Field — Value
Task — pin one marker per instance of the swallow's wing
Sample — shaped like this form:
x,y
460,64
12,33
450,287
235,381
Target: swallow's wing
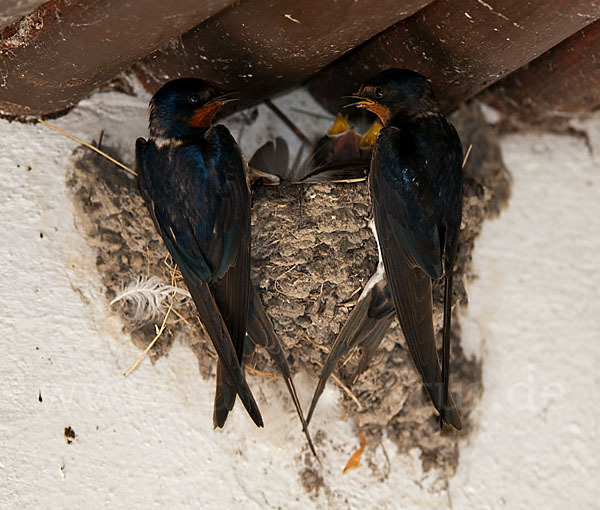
x,y
232,289
450,201
379,317
261,332
348,171
336,158
189,217
407,230
272,158
365,327
402,194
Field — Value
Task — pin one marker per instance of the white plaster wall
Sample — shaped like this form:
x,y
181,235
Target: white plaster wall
x,y
146,441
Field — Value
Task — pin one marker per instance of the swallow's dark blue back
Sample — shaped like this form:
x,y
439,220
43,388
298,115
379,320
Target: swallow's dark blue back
x,y
198,195
416,187
201,198
416,173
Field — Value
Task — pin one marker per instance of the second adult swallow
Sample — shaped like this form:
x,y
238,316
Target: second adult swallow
x,y
415,183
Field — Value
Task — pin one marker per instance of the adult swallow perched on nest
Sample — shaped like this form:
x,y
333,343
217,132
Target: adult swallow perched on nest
x,y
416,188
193,178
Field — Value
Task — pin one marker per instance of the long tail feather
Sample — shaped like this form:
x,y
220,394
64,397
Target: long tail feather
x,y
224,397
231,371
365,327
260,330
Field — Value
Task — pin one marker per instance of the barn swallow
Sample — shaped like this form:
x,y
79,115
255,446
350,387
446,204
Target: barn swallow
x,y
193,179
415,181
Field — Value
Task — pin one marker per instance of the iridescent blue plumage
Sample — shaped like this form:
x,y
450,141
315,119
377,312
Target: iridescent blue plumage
x,y
416,189
193,178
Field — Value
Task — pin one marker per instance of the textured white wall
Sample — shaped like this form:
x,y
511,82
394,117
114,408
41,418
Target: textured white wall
x,y
147,441
534,319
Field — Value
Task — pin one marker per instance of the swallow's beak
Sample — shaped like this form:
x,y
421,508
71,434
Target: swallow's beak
x,y
225,97
362,103
379,109
202,116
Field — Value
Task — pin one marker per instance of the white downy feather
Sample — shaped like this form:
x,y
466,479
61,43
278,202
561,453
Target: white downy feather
x,y
151,297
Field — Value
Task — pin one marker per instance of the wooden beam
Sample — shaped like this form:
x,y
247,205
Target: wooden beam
x,y
463,46
563,82
12,10
52,58
260,47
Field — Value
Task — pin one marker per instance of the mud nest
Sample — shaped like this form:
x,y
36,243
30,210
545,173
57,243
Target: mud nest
x,y
312,253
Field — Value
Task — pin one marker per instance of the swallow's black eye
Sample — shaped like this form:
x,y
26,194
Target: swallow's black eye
x,y
194,98
379,92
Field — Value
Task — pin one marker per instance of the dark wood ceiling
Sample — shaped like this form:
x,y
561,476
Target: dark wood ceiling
x,y
536,58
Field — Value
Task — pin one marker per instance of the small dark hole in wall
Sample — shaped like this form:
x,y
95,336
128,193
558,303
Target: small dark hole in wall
x,y
70,435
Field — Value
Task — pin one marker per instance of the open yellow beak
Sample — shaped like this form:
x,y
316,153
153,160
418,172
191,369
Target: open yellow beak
x,y
340,125
370,137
